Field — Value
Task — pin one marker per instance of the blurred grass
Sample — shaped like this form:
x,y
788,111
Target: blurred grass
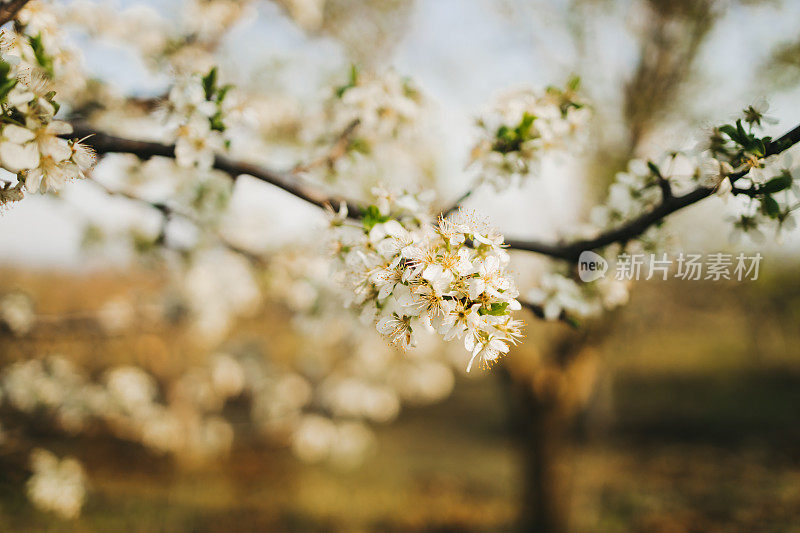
x,y
697,431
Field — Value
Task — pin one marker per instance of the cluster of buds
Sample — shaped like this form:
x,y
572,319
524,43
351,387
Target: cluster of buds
x,y
522,127
406,272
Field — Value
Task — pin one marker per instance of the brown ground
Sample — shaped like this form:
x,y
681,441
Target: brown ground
x,y
698,430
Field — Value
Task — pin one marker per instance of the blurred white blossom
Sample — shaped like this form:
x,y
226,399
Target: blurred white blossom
x,y
57,485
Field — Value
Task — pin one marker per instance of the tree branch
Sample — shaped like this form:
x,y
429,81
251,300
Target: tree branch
x,y
570,251
567,251
629,230
104,143
10,9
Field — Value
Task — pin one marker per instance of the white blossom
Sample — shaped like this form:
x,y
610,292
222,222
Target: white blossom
x,y
521,128
411,273
56,485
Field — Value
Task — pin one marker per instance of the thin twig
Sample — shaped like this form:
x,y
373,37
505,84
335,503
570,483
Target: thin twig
x,y
168,211
455,206
339,148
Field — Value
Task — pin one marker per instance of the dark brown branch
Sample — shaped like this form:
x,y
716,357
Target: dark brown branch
x,y
104,143
9,10
752,193
569,251
621,234
663,184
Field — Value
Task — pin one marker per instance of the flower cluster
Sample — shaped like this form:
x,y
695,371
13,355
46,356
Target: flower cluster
x,y
384,104
450,276
39,39
372,129
31,143
197,111
57,485
739,162
558,294
522,127
733,161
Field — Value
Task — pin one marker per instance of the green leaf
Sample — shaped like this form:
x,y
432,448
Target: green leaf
x,y
352,82
353,74
574,82
729,130
216,122
760,149
44,60
360,145
740,131
496,309
524,128
770,207
5,88
5,68
776,184
210,83
509,140
223,92
372,216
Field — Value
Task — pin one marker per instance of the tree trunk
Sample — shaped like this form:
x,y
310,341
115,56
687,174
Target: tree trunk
x,y
545,494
